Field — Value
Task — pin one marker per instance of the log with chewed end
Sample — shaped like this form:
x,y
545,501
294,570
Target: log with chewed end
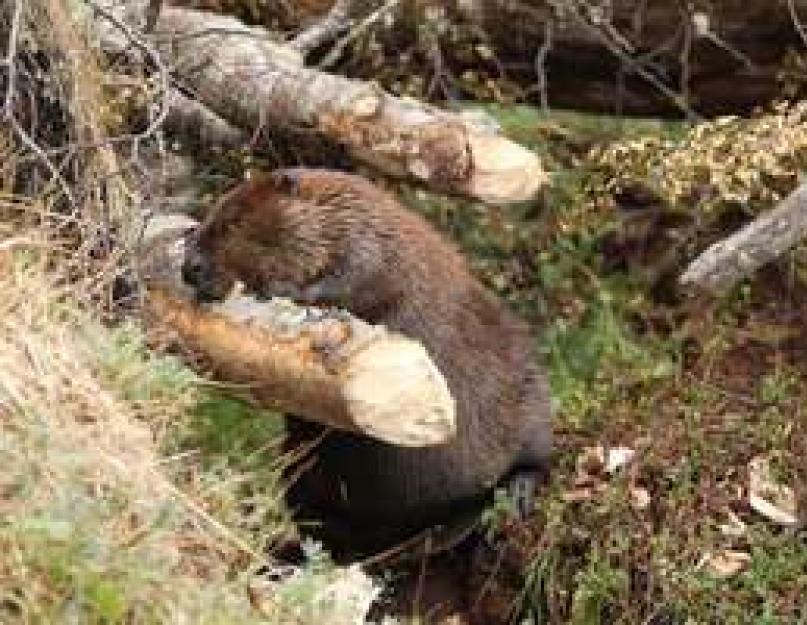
x,y
327,367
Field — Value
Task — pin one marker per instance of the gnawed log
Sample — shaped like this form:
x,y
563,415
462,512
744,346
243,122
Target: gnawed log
x,y
327,367
244,78
766,238
323,365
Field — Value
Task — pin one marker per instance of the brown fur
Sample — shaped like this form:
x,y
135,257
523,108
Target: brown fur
x,y
333,238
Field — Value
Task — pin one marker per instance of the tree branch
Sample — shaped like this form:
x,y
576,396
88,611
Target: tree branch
x,y
766,238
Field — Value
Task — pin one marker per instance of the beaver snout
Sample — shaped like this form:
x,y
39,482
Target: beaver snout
x,y
197,272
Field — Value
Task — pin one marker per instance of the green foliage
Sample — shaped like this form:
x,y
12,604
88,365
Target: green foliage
x,y
597,587
133,370
590,361
556,133
92,531
228,429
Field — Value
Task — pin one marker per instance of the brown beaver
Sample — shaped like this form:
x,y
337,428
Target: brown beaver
x,y
331,238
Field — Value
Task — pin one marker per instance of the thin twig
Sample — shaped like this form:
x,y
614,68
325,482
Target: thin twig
x,y
540,65
641,71
335,22
8,106
337,51
794,16
156,59
11,59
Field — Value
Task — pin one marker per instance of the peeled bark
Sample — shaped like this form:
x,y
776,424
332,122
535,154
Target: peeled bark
x,y
333,369
323,365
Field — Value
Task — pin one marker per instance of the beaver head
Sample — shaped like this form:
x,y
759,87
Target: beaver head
x,y
267,232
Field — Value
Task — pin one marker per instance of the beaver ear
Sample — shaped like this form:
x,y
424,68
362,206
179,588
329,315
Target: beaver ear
x,y
286,181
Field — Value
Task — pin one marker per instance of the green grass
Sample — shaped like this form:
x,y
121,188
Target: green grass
x,y
698,391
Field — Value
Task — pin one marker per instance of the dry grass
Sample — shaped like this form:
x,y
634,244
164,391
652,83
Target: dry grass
x,y
92,526
98,524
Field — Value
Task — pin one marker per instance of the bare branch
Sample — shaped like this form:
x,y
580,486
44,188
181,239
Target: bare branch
x,y
156,60
338,50
540,65
327,29
797,23
8,106
11,59
766,238
613,41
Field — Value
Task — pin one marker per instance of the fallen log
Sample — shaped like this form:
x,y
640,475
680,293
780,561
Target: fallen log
x,y
763,240
244,78
649,57
642,57
323,365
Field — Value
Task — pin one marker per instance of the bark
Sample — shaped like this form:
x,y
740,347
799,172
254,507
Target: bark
x,y
766,238
200,128
328,367
240,77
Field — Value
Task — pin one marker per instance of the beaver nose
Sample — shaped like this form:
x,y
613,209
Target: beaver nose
x,y
194,271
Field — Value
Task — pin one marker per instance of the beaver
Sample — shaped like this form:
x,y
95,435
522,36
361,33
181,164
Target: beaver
x,y
330,238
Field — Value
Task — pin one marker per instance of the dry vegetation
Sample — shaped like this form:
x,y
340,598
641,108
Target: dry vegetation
x,y
92,523
132,491
126,496
730,161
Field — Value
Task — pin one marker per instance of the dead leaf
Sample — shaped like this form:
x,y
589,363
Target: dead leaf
x,y
617,458
727,563
770,498
639,497
593,462
585,493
